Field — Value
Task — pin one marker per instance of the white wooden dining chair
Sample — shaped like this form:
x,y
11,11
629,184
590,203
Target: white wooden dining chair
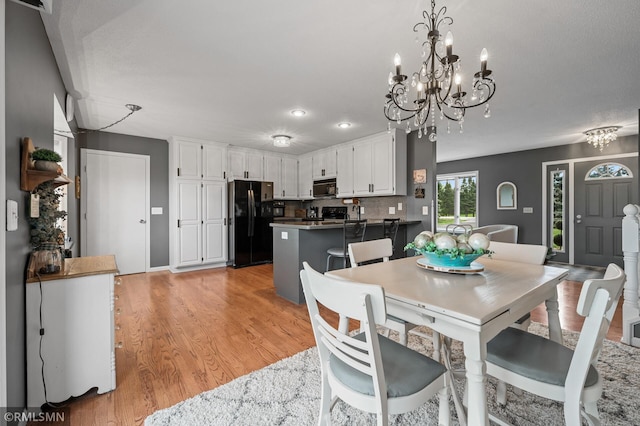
x,y
381,249
523,253
367,371
551,370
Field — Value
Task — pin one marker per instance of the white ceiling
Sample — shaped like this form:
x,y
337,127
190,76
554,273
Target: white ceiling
x,y
231,71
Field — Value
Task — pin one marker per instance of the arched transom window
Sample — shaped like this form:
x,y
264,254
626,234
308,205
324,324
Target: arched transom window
x,y
609,171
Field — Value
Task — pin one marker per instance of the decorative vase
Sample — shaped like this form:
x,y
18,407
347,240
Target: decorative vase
x,y
46,166
48,259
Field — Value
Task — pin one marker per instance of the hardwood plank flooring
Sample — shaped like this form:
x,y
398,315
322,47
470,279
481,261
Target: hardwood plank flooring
x,y
186,333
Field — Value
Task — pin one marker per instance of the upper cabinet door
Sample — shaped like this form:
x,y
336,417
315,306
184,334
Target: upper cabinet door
x,y
324,164
236,163
272,166
289,178
254,166
188,160
382,165
214,162
362,154
305,177
344,178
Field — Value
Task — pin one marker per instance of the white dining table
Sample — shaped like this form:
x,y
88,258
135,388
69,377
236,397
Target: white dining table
x,y
472,308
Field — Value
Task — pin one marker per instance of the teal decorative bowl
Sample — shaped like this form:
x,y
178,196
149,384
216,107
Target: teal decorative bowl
x,y
447,261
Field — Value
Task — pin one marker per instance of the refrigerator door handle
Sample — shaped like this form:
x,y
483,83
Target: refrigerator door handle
x,y
252,212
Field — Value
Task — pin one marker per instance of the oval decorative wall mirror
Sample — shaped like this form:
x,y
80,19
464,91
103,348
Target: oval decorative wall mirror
x,y
507,196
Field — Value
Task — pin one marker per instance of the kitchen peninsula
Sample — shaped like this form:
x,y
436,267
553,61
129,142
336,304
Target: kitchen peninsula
x,y
297,242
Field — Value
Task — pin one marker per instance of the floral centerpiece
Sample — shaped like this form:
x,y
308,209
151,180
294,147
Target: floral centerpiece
x,y
444,249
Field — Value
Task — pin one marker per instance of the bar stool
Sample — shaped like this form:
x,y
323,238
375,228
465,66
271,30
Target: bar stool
x,y
352,232
390,229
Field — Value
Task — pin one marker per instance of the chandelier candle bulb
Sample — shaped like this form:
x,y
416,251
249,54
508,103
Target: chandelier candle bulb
x,y
448,41
398,63
484,55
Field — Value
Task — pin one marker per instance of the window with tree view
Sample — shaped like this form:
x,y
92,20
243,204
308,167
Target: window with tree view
x,y
457,200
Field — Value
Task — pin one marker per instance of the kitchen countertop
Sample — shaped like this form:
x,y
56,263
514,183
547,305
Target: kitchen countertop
x,y
329,224
76,267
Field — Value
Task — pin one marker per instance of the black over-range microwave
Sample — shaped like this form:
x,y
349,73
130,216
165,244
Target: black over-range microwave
x,y
324,188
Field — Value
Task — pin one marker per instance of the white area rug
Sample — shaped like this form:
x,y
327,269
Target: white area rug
x,y
287,393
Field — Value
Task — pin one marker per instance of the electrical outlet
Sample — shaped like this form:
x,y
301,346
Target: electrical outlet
x,y
361,210
399,207
392,210
284,235
425,210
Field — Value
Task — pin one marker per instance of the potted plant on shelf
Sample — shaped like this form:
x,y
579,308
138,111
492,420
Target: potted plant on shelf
x,y
47,238
46,160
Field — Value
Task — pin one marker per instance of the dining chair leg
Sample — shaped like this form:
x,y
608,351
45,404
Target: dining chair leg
x,y
328,262
444,415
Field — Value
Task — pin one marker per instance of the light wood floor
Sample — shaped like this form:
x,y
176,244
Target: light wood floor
x,y
183,334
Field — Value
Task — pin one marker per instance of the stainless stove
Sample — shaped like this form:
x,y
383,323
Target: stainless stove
x,y
334,213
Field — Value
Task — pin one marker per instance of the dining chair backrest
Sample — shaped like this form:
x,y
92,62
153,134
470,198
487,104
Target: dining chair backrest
x,y
390,229
523,253
370,250
353,232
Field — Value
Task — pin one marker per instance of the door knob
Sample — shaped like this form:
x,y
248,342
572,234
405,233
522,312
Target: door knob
x,y
578,218
143,221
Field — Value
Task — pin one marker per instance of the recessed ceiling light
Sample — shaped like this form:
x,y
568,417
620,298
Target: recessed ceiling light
x,y
298,112
344,125
281,141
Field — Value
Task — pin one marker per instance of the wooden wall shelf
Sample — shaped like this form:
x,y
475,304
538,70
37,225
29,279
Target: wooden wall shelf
x,y
30,178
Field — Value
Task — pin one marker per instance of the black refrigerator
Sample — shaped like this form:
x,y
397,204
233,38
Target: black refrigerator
x,y
250,213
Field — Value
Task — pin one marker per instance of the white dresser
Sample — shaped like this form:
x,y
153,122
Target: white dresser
x,y
77,347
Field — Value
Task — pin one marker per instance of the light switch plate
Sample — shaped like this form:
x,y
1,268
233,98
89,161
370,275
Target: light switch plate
x,y
12,215
392,210
527,210
361,210
156,210
425,210
399,207
284,235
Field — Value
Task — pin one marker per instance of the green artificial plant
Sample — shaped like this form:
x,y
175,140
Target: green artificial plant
x,y
42,154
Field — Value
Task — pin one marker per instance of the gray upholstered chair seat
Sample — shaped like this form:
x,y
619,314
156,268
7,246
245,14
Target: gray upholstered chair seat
x,y
406,371
336,251
534,357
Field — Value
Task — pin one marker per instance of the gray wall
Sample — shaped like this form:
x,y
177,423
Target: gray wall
x,y
158,150
524,168
421,154
32,79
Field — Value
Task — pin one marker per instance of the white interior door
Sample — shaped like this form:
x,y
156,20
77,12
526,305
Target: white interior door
x,y
115,208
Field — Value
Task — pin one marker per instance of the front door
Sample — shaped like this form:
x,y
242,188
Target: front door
x,y
115,199
602,189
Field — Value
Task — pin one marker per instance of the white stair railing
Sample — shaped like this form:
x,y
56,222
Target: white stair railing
x,y
631,250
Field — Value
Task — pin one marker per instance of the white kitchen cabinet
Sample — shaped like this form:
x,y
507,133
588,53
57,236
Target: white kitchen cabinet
x,y
380,165
196,160
289,177
345,170
198,208
201,234
283,172
74,309
305,177
245,164
324,163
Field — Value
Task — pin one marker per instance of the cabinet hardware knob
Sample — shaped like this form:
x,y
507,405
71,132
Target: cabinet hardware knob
x,y
119,345
117,327
118,281
118,311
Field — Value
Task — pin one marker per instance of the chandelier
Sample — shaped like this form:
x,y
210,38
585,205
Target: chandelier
x,y
601,136
437,84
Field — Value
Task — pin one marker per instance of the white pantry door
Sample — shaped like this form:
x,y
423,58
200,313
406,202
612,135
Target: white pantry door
x,y
115,208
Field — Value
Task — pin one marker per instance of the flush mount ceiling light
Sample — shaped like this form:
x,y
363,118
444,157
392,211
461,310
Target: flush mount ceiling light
x,y
281,141
438,82
344,125
601,136
298,113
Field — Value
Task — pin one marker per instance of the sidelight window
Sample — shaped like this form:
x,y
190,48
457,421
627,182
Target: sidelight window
x,y
558,206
